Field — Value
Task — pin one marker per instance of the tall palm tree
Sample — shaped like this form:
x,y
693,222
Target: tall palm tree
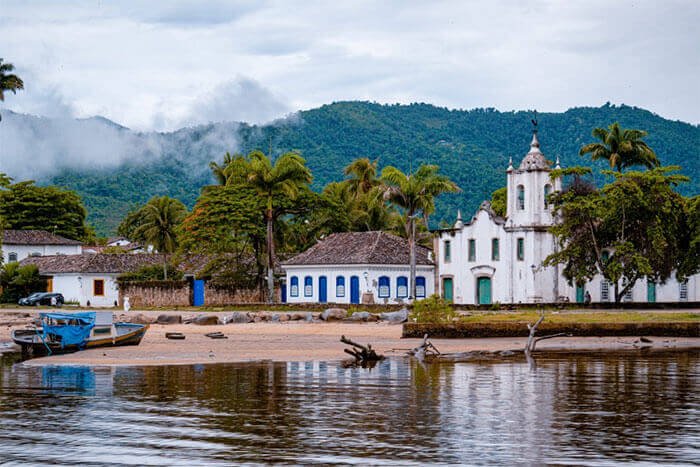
x,y
415,194
161,217
286,177
622,148
363,176
8,81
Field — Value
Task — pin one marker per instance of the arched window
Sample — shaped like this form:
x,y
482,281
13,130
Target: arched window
x,y
384,287
401,287
420,287
521,197
308,287
340,286
547,191
294,287
12,257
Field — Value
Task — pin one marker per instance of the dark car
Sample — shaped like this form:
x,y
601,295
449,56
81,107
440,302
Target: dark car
x,y
43,298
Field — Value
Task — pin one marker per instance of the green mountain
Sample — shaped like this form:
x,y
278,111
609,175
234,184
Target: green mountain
x,y
472,147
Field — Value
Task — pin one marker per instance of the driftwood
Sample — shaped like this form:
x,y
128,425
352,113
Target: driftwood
x,y
361,353
425,349
532,340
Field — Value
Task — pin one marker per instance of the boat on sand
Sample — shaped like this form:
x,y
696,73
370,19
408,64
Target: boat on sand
x,y
70,332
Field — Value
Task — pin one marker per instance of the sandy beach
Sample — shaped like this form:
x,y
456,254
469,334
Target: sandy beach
x,y
293,341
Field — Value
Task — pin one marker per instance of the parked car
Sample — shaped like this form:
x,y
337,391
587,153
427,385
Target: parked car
x,y
43,298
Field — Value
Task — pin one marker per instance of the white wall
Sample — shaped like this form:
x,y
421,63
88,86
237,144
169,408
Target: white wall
x,y
23,251
370,284
79,287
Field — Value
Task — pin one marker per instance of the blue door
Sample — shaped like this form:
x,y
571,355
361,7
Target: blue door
x,y
354,289
198,292
283,290
322,289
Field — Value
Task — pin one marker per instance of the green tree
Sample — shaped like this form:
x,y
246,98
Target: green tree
x,y
25,206
19,281
690,263
160,220
631,228
8,81
622,148
499,201
415,194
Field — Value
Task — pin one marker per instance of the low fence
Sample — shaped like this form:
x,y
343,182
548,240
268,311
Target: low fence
x,y
180,293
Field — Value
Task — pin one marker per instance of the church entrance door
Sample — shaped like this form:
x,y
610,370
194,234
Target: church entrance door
x,y
484,290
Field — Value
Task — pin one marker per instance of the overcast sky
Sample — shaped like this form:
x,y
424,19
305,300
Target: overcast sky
x,y
162,65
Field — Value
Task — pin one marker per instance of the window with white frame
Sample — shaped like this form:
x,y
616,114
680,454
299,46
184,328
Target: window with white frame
x,y
420,287
604,291
308,287
401,287
683,291
294,287
521,197
384,288
340,286
447,251
12,257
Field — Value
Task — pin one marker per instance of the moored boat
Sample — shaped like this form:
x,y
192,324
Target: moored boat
x,y
70,332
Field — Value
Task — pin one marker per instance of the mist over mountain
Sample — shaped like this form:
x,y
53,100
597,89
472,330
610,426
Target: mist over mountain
x,y
114,168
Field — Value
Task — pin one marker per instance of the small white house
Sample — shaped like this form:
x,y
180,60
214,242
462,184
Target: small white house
x,y
89,278
358,267
20,244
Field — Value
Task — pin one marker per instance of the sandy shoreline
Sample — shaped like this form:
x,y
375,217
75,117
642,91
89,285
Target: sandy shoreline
x,y
295,341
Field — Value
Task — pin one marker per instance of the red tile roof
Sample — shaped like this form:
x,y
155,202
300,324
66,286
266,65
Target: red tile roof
x,y
360,248
35,237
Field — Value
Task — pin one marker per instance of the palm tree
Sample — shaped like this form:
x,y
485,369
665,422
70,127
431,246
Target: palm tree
x,y
363,178
286,177
8,81
415,194
622,148
161,217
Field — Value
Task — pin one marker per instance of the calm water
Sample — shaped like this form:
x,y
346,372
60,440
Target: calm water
x,y
641,408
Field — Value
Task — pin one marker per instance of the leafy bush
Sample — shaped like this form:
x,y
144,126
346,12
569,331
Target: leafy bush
x,y
19,281
433,310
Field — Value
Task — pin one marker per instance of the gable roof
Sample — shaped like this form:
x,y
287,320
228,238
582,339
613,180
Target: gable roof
x,y
92,263
360,248
35,237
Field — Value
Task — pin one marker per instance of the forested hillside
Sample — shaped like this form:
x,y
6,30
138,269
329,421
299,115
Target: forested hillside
x,y
472,147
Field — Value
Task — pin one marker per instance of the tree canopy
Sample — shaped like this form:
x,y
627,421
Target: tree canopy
x,y
622,148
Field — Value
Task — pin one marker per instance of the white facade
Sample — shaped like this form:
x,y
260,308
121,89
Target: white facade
x,y
496,260
84,287
19,252
369,279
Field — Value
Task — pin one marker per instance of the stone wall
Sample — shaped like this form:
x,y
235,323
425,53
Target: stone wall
x,y
155,294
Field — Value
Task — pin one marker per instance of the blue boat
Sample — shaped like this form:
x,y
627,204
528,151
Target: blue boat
x,y
70,332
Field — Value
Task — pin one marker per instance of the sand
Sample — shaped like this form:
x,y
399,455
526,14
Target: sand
x,y
294,341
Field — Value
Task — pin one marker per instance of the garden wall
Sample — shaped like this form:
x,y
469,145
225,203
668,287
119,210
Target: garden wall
x,y
179,293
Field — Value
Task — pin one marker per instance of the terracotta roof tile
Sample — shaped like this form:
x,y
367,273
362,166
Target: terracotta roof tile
x,y
360,248
92,263
35,237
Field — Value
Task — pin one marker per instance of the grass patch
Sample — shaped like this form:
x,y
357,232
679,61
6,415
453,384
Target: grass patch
x,y
581,317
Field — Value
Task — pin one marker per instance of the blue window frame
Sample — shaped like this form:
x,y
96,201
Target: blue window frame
x,y
420,287
294,287
401,287
340,286
384,287
308,287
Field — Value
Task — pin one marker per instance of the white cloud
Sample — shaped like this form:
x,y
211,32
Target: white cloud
x,y
159,65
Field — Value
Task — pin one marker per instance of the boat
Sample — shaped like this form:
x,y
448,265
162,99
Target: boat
x,y
70,332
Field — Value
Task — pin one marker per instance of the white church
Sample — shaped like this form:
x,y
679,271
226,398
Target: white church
x,y
492,259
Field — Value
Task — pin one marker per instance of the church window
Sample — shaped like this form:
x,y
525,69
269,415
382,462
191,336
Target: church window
x,y
448,251
494,249
521,197
521,249
547,192
472,249
683,291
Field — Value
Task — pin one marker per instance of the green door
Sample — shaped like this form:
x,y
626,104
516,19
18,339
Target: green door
x,y
580,294
484,290
651,292
447,289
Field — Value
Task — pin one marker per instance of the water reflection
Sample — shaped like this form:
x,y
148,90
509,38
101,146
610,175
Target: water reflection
x,y
593,409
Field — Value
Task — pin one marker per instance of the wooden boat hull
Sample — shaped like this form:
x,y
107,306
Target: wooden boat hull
x,y
32,345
